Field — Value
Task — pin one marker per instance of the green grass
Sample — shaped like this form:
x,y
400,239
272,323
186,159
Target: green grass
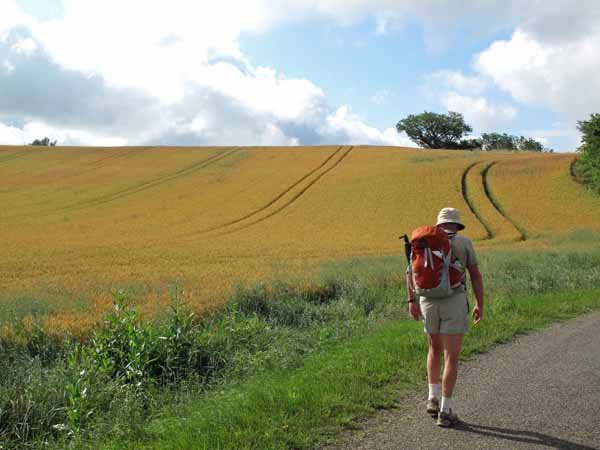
x,y
304,408
282,366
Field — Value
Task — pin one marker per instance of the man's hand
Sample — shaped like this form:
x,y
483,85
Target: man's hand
x,y
477,314
477,283
414,310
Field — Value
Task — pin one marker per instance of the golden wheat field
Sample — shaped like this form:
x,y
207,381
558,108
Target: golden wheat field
x,y
77,223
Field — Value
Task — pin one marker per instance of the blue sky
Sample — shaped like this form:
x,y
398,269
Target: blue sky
x,y
274,72
381,76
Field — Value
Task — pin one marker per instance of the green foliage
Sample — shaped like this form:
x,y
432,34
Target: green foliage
x,y
68,387
588,162
530,145
32,402
497,141
432,130
45,142
503,141
128,364
469,144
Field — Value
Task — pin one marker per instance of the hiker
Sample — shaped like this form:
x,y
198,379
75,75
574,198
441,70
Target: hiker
x,y
446,317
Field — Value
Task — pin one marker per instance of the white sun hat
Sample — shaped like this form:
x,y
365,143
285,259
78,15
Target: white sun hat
x,y
450,215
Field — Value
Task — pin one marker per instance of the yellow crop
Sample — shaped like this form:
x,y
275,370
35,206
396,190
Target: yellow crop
x,y
539,194
477,191
78,222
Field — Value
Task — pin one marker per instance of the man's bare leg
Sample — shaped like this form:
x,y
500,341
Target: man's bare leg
x,y
434,357
452,346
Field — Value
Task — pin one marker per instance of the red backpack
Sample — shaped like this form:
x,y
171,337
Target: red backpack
x,y
432,270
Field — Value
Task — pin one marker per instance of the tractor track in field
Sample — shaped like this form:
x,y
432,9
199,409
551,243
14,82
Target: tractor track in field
x,y
272,201
496,204
19,155
9,156
101,162
140,187
295,197
469,202
117,155
94,165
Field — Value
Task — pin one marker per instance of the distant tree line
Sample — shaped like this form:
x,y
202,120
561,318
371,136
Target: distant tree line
x,y
46,142
449,131
497,141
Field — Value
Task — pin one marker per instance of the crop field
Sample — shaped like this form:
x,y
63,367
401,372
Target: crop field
x,y
77,223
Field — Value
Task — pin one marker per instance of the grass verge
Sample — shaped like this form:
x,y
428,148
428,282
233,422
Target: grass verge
x,y
304,408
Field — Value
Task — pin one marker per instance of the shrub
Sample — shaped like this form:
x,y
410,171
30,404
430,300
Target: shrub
x,y
588,163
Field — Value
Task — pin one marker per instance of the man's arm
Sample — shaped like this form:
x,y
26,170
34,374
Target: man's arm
x,y
413,305
477,283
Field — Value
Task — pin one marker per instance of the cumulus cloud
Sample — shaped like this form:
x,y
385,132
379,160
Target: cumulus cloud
x,y
11,16
455,80
14,135
346,127
562,21
228,102
465,94
157,46
10,135
479,112
562,76
549,61
37,89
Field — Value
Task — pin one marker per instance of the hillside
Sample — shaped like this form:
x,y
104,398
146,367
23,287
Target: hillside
x,y
78,222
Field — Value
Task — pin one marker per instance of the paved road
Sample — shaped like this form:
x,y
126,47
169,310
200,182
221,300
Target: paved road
x,y
542,391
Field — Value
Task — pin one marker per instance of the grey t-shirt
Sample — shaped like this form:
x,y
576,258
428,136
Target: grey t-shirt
x,y
462,248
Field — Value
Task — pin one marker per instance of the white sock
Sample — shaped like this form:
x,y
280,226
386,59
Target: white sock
x,y
434,391
446,405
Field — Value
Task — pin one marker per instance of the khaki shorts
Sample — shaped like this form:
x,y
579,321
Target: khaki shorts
x,y
446,315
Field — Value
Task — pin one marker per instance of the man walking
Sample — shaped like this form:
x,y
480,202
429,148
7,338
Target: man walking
x,y
447,320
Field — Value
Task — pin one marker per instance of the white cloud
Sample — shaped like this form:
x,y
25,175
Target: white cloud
x,y
479,112
170,52
173,76
262,89
11,17
562,76
10,135
467,84
125,41
390,136
549,61
344,123
226,104
564,137
562,21
24,46
462,93
66,136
